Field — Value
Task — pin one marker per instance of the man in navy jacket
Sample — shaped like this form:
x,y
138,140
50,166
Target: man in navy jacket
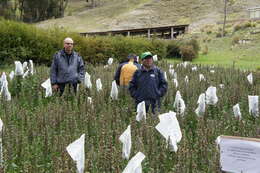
x,y
148,84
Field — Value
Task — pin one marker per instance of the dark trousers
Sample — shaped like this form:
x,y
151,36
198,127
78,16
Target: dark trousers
x,y
154,104
71,86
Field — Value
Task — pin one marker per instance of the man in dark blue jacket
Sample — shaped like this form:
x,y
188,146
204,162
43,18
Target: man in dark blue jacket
x,y
148,84
67,68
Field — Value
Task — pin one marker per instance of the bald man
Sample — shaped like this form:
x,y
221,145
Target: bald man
x,y
67,68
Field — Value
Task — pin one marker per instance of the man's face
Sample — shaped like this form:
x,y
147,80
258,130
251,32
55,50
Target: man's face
x,y
68,45
148,62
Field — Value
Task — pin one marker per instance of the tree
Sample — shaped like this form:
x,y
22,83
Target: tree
x,y
226,3
32,10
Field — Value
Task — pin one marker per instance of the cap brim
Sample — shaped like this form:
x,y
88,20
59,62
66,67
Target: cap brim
x,y
148,56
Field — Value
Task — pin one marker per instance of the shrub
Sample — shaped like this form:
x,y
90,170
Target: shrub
x,y
206,39
173,49
23,42
187,53
235,40
244,25
218,34
205,50
195,44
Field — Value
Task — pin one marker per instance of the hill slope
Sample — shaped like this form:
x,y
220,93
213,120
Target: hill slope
x,y
126,14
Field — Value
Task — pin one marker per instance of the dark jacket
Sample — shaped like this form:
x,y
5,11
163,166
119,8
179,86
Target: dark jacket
x,y
118,71
148,85
67,69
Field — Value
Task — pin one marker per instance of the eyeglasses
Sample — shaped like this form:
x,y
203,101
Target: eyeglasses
x,y
69,43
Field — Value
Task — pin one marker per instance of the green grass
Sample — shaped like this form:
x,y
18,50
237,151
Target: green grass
x,y
220,53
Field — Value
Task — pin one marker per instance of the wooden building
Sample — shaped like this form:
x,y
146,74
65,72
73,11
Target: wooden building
x,y
254,13
165,32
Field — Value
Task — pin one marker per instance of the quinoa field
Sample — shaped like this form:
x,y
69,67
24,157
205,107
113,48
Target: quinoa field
x,y
37,129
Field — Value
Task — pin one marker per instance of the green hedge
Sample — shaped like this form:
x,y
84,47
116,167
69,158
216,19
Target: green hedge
x,y
23,42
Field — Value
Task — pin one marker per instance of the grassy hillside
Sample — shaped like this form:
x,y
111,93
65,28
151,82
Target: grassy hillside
x,y
224,52
123,14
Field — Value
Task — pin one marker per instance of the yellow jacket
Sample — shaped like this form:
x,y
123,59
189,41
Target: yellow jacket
x,y
127,72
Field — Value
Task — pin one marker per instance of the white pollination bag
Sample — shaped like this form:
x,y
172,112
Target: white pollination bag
x,y
18,68
11,75
194,68
110,61
175,75
98,84
170,129
77,152
125,138
165,76
5,92
1,145
201,77
141,111
4,88
2,79
114,91
48,89
87,81
253,105
137,58
250,78
155,58
211,96
171,71
236,110
186,79
134,165
185,64
31,67
221,86
89,100
175,83
179,104
25,65
200,111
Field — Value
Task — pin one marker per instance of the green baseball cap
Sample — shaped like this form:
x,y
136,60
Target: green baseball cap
x,y
146,54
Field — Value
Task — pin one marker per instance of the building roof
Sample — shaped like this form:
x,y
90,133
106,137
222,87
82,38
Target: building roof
x,y
161,28
254,8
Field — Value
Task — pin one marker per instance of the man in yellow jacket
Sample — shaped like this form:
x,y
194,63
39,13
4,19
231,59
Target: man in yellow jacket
x,y
125,71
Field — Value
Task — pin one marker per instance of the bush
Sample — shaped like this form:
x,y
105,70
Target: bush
x,y
173,49
218,34
244,25
23,42
206,40
205,50
235,40
187,53
195,44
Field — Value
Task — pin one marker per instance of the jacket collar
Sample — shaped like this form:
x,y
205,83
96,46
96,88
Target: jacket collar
x,y
63,53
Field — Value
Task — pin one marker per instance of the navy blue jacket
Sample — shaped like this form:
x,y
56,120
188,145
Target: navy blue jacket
x,y
148,85
65,69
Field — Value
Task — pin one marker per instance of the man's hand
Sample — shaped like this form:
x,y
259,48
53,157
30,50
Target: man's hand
x,y
55,87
